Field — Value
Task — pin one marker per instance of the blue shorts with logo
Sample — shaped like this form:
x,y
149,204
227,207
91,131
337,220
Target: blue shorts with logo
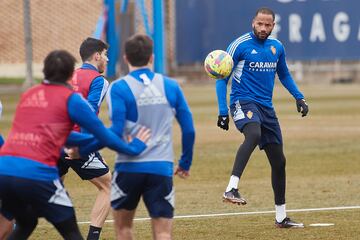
x,y
87,168
244,112
48,199
157,192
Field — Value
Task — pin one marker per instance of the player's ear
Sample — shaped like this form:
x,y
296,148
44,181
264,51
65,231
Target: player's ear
x,y
151,62
151,59
96,56
125,59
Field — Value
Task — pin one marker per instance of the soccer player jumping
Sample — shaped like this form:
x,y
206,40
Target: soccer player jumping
x,y
257,58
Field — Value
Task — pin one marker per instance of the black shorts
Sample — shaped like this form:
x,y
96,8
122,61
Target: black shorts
x,y
87,169
157,192
21,197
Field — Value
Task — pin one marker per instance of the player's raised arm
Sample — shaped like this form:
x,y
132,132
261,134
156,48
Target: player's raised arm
x,y
86,118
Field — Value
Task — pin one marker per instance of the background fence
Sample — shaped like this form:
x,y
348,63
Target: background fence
x,y
321,36
55,24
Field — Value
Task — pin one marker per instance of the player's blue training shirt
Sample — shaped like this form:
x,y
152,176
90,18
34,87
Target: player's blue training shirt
x,y
80,113
255,64
122,108
97,89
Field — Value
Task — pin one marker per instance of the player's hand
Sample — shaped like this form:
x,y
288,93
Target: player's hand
x,y
72,153
302,107
181,173
223,122
143,134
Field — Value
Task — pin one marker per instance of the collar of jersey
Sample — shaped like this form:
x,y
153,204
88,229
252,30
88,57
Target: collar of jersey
x,y
136,73
88,66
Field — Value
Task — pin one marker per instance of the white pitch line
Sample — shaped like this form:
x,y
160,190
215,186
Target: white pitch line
x,y
321,224
245,213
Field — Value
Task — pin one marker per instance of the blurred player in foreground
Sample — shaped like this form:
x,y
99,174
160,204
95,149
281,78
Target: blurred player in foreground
x,y
88,81
257,58
6,222
30,186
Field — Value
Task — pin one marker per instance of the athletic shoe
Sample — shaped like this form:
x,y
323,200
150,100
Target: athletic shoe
x,y
288,223
233,196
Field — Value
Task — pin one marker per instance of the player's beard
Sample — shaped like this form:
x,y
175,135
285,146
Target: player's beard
x,y
101,68
261,35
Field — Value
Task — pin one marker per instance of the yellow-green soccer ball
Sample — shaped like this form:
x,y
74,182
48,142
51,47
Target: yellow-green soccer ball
x,y
218,64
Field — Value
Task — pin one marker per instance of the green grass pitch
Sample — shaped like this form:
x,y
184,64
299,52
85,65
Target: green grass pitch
x,y
323,170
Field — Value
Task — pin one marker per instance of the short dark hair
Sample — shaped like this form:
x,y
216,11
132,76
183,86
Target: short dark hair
x,y
265,10
90,46
138,50
59,66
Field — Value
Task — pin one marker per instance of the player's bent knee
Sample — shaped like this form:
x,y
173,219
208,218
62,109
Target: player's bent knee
x,y
103,183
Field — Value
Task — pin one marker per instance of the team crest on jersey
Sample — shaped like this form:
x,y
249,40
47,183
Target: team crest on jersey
x,y
273,50
249,114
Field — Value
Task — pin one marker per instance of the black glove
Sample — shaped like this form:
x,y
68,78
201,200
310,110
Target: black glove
x,y
302,107
223,122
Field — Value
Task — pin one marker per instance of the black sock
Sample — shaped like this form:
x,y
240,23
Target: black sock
x,y
94,233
